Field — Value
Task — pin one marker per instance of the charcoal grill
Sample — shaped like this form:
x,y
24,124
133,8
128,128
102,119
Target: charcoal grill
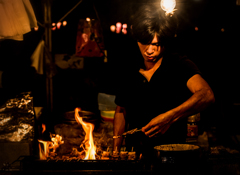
x,y
33,165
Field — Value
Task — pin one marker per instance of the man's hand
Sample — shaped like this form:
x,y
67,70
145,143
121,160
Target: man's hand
x,y
202,97
159,124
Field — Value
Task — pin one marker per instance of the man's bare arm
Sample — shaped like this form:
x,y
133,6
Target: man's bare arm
x,y
202,97
118,126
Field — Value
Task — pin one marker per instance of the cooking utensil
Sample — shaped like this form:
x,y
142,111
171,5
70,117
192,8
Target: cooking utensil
x,y
173,153
128,132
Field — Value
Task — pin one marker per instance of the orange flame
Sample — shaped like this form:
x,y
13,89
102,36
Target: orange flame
x,y
43,153
49,148
88,128
56,142
43,127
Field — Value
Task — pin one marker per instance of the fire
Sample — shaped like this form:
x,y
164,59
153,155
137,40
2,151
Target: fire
x,y
43,127
49,147
90,148
43,153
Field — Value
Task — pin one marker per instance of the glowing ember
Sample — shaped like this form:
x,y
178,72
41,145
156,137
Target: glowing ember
x,y
90,148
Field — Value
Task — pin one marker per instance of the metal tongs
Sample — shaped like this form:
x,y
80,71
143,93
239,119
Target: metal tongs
x,y
128,132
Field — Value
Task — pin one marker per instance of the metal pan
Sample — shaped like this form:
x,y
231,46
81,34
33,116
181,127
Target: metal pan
x,y
178,152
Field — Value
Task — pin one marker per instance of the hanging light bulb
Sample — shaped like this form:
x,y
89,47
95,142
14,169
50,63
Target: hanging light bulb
x,y
168,6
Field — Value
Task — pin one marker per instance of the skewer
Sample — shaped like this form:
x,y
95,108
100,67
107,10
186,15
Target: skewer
x,y
124,153
128,132
105,154
132,155
115,153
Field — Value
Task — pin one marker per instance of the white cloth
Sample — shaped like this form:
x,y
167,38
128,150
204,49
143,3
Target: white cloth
x,y
37,57
16,18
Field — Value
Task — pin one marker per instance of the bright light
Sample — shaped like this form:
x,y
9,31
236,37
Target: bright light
x,y
124,31
113,28
64,23
53,24
88,19
59,25
36,28
168,6
118,27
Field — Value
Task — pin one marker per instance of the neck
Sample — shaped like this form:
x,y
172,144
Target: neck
x,y
150,65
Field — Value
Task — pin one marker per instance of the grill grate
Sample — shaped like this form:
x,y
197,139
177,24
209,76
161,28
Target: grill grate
x,y
31,164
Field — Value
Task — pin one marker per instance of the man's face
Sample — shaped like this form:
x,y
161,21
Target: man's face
x,y
151,52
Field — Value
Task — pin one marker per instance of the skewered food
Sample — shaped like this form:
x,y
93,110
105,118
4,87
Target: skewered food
x,y
131,155
105,155
123,154
128,132
115,153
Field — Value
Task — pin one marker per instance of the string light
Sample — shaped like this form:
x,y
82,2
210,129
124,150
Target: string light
x,y
118,27
64,23
113,28
124,29
59,25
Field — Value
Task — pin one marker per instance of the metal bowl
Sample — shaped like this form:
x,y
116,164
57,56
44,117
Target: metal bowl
x,y
178,152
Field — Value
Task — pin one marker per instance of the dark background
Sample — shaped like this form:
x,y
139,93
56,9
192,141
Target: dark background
x,y
214,51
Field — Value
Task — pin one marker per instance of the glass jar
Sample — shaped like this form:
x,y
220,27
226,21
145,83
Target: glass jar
x,y
192,127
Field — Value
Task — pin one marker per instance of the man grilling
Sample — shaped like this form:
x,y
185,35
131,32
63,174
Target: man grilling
x,y
166,88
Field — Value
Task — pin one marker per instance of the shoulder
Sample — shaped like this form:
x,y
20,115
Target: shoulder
x,y
183,62
183,66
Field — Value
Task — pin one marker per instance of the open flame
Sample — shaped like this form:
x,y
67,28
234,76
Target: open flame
x,y
43,128
48,149
90,148
43,152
